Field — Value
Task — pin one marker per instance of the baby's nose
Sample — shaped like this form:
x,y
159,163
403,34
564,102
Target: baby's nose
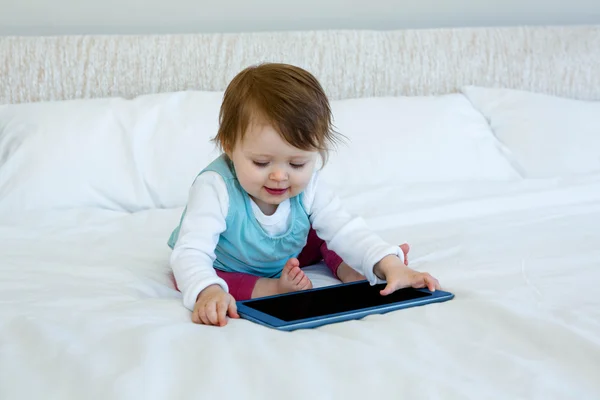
x,y
278,175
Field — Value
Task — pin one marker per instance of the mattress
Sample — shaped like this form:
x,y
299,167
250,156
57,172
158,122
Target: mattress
x,y
88,307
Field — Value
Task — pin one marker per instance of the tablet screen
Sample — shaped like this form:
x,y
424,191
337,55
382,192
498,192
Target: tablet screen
x,y
336,299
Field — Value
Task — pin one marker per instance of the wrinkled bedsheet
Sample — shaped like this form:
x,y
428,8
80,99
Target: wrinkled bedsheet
x,y
88,309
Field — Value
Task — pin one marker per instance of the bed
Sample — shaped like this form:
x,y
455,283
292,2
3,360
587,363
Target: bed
x,y
479,147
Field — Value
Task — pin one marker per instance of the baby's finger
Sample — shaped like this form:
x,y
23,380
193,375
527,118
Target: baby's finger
x,y
232,309
195,316
202,315
431,282
222,312
390,288
211,313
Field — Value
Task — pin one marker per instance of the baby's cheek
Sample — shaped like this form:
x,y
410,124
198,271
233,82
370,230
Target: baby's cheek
x,y
295,190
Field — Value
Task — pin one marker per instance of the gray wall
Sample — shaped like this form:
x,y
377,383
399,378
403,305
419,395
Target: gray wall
x,y
40,17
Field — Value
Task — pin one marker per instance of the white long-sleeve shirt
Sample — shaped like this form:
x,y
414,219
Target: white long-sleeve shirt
x,y
194,252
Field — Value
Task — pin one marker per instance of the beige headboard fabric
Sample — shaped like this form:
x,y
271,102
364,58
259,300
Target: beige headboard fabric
x,y
557,60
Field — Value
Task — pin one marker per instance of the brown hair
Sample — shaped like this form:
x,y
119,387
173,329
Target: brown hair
x,y
287,97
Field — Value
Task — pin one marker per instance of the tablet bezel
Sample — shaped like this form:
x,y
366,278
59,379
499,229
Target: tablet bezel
x,y
270,321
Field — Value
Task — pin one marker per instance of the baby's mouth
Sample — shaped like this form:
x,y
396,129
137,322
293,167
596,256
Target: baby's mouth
x,y
275,192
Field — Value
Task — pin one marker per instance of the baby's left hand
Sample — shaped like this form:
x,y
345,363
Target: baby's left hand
x,y
399,276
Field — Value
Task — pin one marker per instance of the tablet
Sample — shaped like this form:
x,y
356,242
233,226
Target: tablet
x,y
315,307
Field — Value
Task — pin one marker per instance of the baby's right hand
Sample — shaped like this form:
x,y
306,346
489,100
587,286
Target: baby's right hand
x,y
213,305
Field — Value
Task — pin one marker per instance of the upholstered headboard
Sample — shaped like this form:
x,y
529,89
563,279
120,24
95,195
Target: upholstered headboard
x,y
557,60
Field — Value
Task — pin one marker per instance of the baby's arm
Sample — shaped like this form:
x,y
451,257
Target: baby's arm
x,y
194,252
357,245
345,234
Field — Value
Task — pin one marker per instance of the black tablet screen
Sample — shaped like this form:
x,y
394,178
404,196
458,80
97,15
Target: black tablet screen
x,y
336,299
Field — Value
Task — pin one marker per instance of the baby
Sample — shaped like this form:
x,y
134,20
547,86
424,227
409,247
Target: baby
x,y
259,212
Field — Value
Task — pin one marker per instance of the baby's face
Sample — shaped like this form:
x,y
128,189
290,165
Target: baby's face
x,y
270,169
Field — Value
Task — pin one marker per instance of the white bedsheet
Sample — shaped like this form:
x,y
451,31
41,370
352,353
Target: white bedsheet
x,y
88,310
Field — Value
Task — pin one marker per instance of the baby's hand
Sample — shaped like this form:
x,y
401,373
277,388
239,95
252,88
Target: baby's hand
x,y
399,276
213,305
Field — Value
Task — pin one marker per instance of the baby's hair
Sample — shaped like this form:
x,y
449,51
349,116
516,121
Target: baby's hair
x,y
287,97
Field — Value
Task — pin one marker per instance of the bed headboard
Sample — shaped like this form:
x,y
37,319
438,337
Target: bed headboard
x,y
557,60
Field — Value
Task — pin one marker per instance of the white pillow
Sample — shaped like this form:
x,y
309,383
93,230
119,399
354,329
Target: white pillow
x,y
130,155
105,153
548,136
414,139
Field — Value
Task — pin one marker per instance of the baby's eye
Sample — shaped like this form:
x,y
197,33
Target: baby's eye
x,y
297,166
260,164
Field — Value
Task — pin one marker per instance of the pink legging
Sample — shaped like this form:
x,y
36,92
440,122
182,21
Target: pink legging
x,y
241,285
